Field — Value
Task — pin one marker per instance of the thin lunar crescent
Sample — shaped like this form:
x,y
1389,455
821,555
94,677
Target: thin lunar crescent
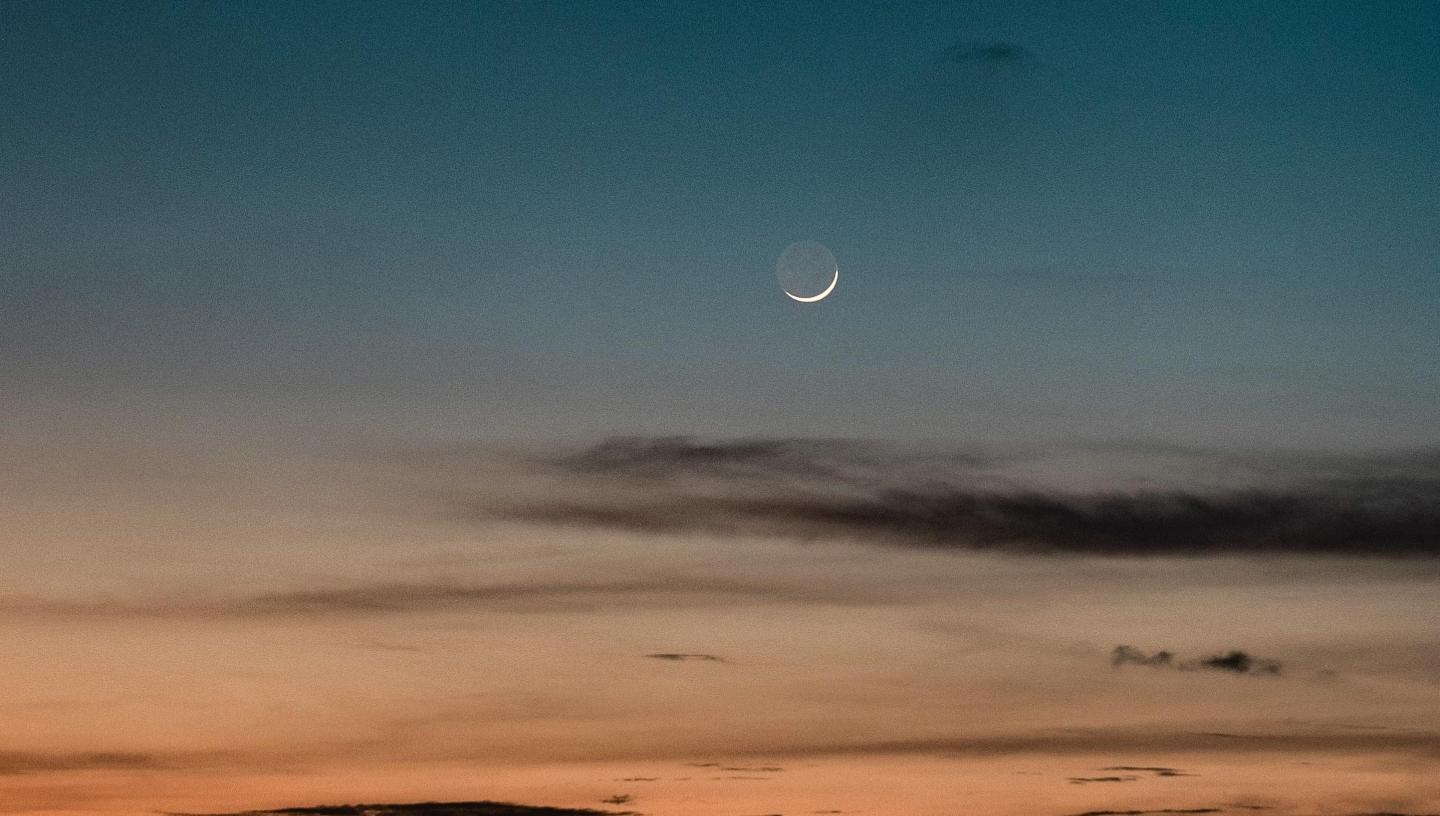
x,y
820,296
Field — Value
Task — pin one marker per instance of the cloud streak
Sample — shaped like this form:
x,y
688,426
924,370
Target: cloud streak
x,y
680,657
809,490
661,591
19,762
1082,742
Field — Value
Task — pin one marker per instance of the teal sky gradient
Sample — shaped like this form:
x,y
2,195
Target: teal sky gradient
x,y
1210,222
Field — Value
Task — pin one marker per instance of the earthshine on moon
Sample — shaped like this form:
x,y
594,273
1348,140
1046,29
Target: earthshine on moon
x,y
807,272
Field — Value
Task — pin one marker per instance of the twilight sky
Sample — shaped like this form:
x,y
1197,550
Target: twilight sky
x,y
397,405
1211,222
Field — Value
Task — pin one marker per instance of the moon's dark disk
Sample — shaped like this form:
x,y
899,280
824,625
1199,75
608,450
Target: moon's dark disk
x,y
807,271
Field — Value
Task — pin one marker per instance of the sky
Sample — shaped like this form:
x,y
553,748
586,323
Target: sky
x,y
1209,222
398,404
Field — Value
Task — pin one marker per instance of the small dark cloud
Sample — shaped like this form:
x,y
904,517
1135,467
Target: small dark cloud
x,y
1129,655
754,768
618,799
1158,771
1233,661
666,456
1085,780
994,52
814,490
1240,663
684,656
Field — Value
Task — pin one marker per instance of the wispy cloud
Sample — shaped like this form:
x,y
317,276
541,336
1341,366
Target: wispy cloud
x,y
1151,769
814,490
20,762
680,657
1076,742
660,591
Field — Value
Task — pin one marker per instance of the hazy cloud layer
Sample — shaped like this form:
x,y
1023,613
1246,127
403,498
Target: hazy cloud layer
x,y
20,762
666,591
1137,741
812,490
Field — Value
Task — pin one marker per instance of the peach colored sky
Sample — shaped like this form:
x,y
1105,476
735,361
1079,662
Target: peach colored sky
x,y
207,623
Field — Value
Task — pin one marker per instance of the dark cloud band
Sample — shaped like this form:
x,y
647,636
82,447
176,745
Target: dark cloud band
x,y
813,490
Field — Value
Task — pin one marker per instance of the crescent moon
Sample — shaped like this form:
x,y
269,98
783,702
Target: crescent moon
x,y
820,296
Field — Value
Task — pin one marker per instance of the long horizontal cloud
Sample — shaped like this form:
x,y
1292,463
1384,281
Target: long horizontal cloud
x,y
1074,742
813,490
396,598
681,657
20,762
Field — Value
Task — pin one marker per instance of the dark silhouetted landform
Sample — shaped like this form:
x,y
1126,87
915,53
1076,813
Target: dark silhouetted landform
x,y
1146,812
813,490
482,808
